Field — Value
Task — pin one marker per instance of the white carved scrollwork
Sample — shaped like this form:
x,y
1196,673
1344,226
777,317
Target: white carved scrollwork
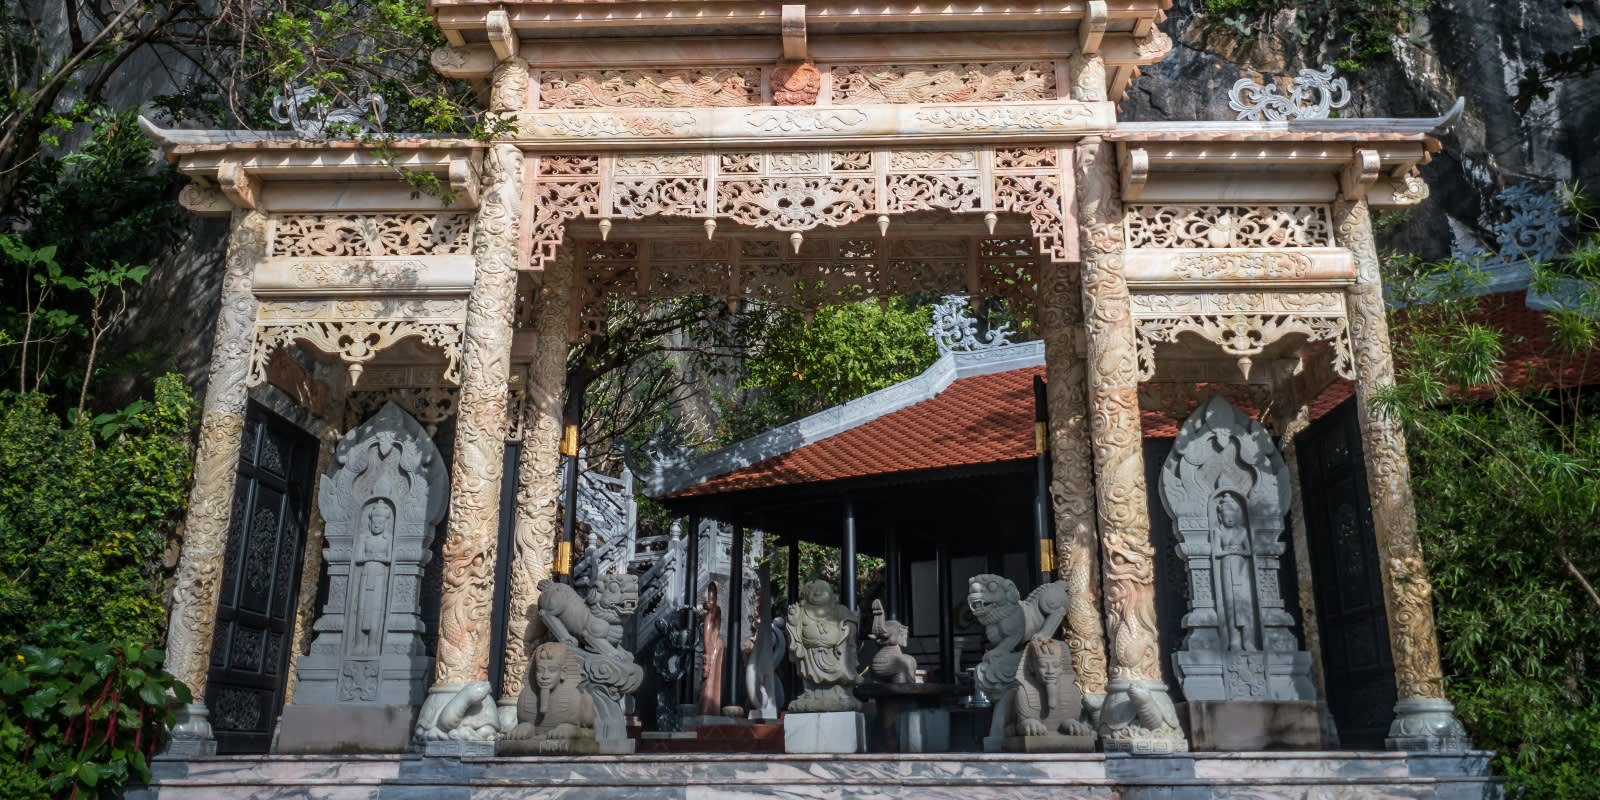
x,y
355,342
649,88
944,83
795,204
346,235
955,331
311,116
1314,94
1245,336
1176,226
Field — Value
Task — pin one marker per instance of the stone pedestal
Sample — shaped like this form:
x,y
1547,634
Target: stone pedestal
x,y
1057,743
345,729
1253,725
1427,725
824,732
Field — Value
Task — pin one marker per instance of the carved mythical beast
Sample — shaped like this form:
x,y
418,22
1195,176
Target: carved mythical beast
x,y
1008,622
595,625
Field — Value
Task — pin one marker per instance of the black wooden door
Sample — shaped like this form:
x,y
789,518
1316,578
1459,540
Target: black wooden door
x,y
1356,662
260,581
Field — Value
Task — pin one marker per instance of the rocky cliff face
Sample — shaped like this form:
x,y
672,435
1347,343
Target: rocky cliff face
x,y
1476,49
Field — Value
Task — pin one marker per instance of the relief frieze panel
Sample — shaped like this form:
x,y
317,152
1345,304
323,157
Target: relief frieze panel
x,y
1219,226
356,235
649,88
879,84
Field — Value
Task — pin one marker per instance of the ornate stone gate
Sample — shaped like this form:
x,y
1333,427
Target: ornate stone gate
x,y
808,154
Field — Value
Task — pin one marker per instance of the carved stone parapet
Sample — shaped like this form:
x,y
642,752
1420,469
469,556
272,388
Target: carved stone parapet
x,y
196,584
479,455
1138,713
1424,719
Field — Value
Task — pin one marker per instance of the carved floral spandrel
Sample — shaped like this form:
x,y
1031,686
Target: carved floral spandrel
x,y
356,341
1000,82
1213,226
1072,484
633,88
359,235
538,470
195,586
1138,712
1407,590
1245,336
469,546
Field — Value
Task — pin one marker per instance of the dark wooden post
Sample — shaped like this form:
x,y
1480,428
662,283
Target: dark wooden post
x,y
792,591
847,557
1043,553
947,635
732,671
891,572
569,449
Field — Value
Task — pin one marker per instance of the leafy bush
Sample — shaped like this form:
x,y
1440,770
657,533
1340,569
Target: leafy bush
x,y
84,522
82,718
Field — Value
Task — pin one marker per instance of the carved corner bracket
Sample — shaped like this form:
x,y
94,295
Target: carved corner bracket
x,y
1244,336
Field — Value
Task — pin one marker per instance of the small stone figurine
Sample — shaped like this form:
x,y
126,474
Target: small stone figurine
x,y
554,714
822,635
1048,706
891,664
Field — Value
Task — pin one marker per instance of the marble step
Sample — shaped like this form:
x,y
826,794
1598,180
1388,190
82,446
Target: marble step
x,y
954,776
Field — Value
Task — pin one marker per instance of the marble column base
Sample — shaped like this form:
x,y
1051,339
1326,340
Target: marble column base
x,y
1427,725
191,734
824,732
1139,718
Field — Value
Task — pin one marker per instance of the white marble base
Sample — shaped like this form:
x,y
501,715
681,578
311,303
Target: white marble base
x,y
825,732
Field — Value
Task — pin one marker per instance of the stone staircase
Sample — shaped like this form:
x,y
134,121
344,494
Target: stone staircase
x,y
954,776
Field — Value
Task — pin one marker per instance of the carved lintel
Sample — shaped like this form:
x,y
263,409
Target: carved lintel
x,y
501,37
1359,175
465,182
794,31
1093,27
204,201
1135,173
241,189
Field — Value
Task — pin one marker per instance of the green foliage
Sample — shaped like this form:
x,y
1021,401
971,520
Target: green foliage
x,y
81,718
1360,30
1506,475
83,522
1539,80
844,352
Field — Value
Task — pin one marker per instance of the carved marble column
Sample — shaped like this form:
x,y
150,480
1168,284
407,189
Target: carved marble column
x,y
1138,715
1072,479
1424,719
196,585
469,546
538,477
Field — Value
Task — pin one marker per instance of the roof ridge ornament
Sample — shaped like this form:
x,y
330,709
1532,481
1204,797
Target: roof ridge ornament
x,y
956,331
1314,94
311,115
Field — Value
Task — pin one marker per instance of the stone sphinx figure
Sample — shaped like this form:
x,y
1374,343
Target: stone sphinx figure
x,y
554,713
1226,488
592,629
891,664
1048,703
822,645
1008,621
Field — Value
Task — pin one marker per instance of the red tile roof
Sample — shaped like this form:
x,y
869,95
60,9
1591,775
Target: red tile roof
x,y
987,419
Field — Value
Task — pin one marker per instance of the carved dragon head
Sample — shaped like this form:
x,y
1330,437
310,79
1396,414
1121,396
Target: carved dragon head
x,y
992,598
614,597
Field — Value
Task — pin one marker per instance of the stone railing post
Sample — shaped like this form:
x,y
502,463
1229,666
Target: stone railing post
x,y
1424,719
1138,715
475,476
538,478
197,584
1077,553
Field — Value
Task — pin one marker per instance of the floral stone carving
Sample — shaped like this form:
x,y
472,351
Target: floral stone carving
x,y
1227,490
1008,621
554,713
381,499
1046,714
796,84
593,631
822,645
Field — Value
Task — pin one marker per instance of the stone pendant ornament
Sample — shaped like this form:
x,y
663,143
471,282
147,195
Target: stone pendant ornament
x,y
1227,489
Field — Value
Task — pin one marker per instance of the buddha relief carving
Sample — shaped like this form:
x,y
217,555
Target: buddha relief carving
x,y
370,601
1232,563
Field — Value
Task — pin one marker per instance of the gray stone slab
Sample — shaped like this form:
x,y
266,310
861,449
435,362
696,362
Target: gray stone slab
x,y
1049,744
458,748
1253,725
324,729
825,732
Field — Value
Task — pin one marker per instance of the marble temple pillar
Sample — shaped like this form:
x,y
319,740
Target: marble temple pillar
x,y
197,584
1138,714
1424,718
538,517
467,596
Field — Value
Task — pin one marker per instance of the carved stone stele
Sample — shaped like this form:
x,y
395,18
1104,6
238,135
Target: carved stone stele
x,y
381,499
1227,489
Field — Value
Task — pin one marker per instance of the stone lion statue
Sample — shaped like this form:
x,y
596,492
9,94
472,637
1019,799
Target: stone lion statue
x,y
1048,702
596,624
1009,621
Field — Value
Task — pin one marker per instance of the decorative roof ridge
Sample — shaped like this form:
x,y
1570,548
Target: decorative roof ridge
x,y
1415,125
831,422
